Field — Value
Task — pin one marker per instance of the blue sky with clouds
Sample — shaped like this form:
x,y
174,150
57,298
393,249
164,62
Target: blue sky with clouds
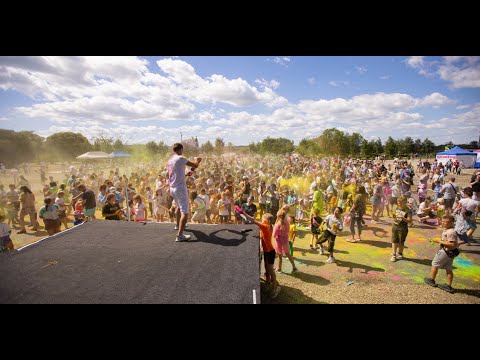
x,y
242,99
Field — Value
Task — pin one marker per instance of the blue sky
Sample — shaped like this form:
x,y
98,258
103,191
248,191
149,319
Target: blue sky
x,y
242,99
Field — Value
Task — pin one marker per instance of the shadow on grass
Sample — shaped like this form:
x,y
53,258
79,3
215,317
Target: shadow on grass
x,y
378,232
352,265
287,295
380,244
426,262
304,252
471,292
319,262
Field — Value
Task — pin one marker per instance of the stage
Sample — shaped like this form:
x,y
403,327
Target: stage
x,y
119,262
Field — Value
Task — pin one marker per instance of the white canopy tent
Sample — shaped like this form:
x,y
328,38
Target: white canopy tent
x,y
94,155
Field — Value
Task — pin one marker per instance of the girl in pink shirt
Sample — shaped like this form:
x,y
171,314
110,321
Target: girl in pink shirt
x,y
280,233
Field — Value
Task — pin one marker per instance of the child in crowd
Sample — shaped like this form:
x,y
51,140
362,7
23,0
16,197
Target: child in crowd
x,y
49,214
422,193
159,204
222,208
401,218
6,243
140,209
78,218
111,210
315,222
266,231
334,226
463,226
445,256
149,197
280,233
292,232
11,213
436,191
62,208
198,205
440,210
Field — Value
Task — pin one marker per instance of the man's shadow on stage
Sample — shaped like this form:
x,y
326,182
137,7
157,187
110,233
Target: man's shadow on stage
x,y
214,238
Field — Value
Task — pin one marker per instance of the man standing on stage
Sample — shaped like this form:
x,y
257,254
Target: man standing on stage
x,y
178,187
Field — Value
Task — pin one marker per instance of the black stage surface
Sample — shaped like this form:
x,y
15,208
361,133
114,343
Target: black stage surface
x,y
125,262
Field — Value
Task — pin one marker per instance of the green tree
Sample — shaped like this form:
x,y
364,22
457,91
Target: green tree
x,y
219,145
67,145
391,148
368,149
428,147
152,148
355,142
417,146
207,147
18,147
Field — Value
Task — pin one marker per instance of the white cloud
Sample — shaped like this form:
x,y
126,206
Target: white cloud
x,y
435,100
459,71
272,84
120,89
284,61
415,62
361,69
338,83
461,76
121,96
462,107
385,77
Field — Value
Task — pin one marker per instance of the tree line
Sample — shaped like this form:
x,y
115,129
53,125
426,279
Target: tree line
x,y
26,146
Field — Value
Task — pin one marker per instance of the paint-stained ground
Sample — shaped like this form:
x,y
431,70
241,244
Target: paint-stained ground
x,y
363,272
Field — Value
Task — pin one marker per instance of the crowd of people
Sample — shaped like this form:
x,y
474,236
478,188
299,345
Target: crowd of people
x,y
277,193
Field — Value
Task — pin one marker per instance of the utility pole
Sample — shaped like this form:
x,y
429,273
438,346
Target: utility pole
x,y
181,137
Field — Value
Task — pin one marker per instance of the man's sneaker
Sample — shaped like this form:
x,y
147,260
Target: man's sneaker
x,y
446,288
393,258
430,281
330,260
322,251
182,238
176,226
399,256
276,292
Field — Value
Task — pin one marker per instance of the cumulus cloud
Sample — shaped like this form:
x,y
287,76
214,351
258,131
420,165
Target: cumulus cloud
x,y
415,62
458,71
123,89
123,97
272,84
284,61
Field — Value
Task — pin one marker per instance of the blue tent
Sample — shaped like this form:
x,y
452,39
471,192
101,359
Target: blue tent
x,y
457,150
457,153
119,154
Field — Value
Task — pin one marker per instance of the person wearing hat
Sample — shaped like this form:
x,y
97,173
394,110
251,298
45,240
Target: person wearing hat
x,y
78,218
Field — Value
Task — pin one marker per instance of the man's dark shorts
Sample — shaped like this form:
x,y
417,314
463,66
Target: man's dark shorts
x,y
269,257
